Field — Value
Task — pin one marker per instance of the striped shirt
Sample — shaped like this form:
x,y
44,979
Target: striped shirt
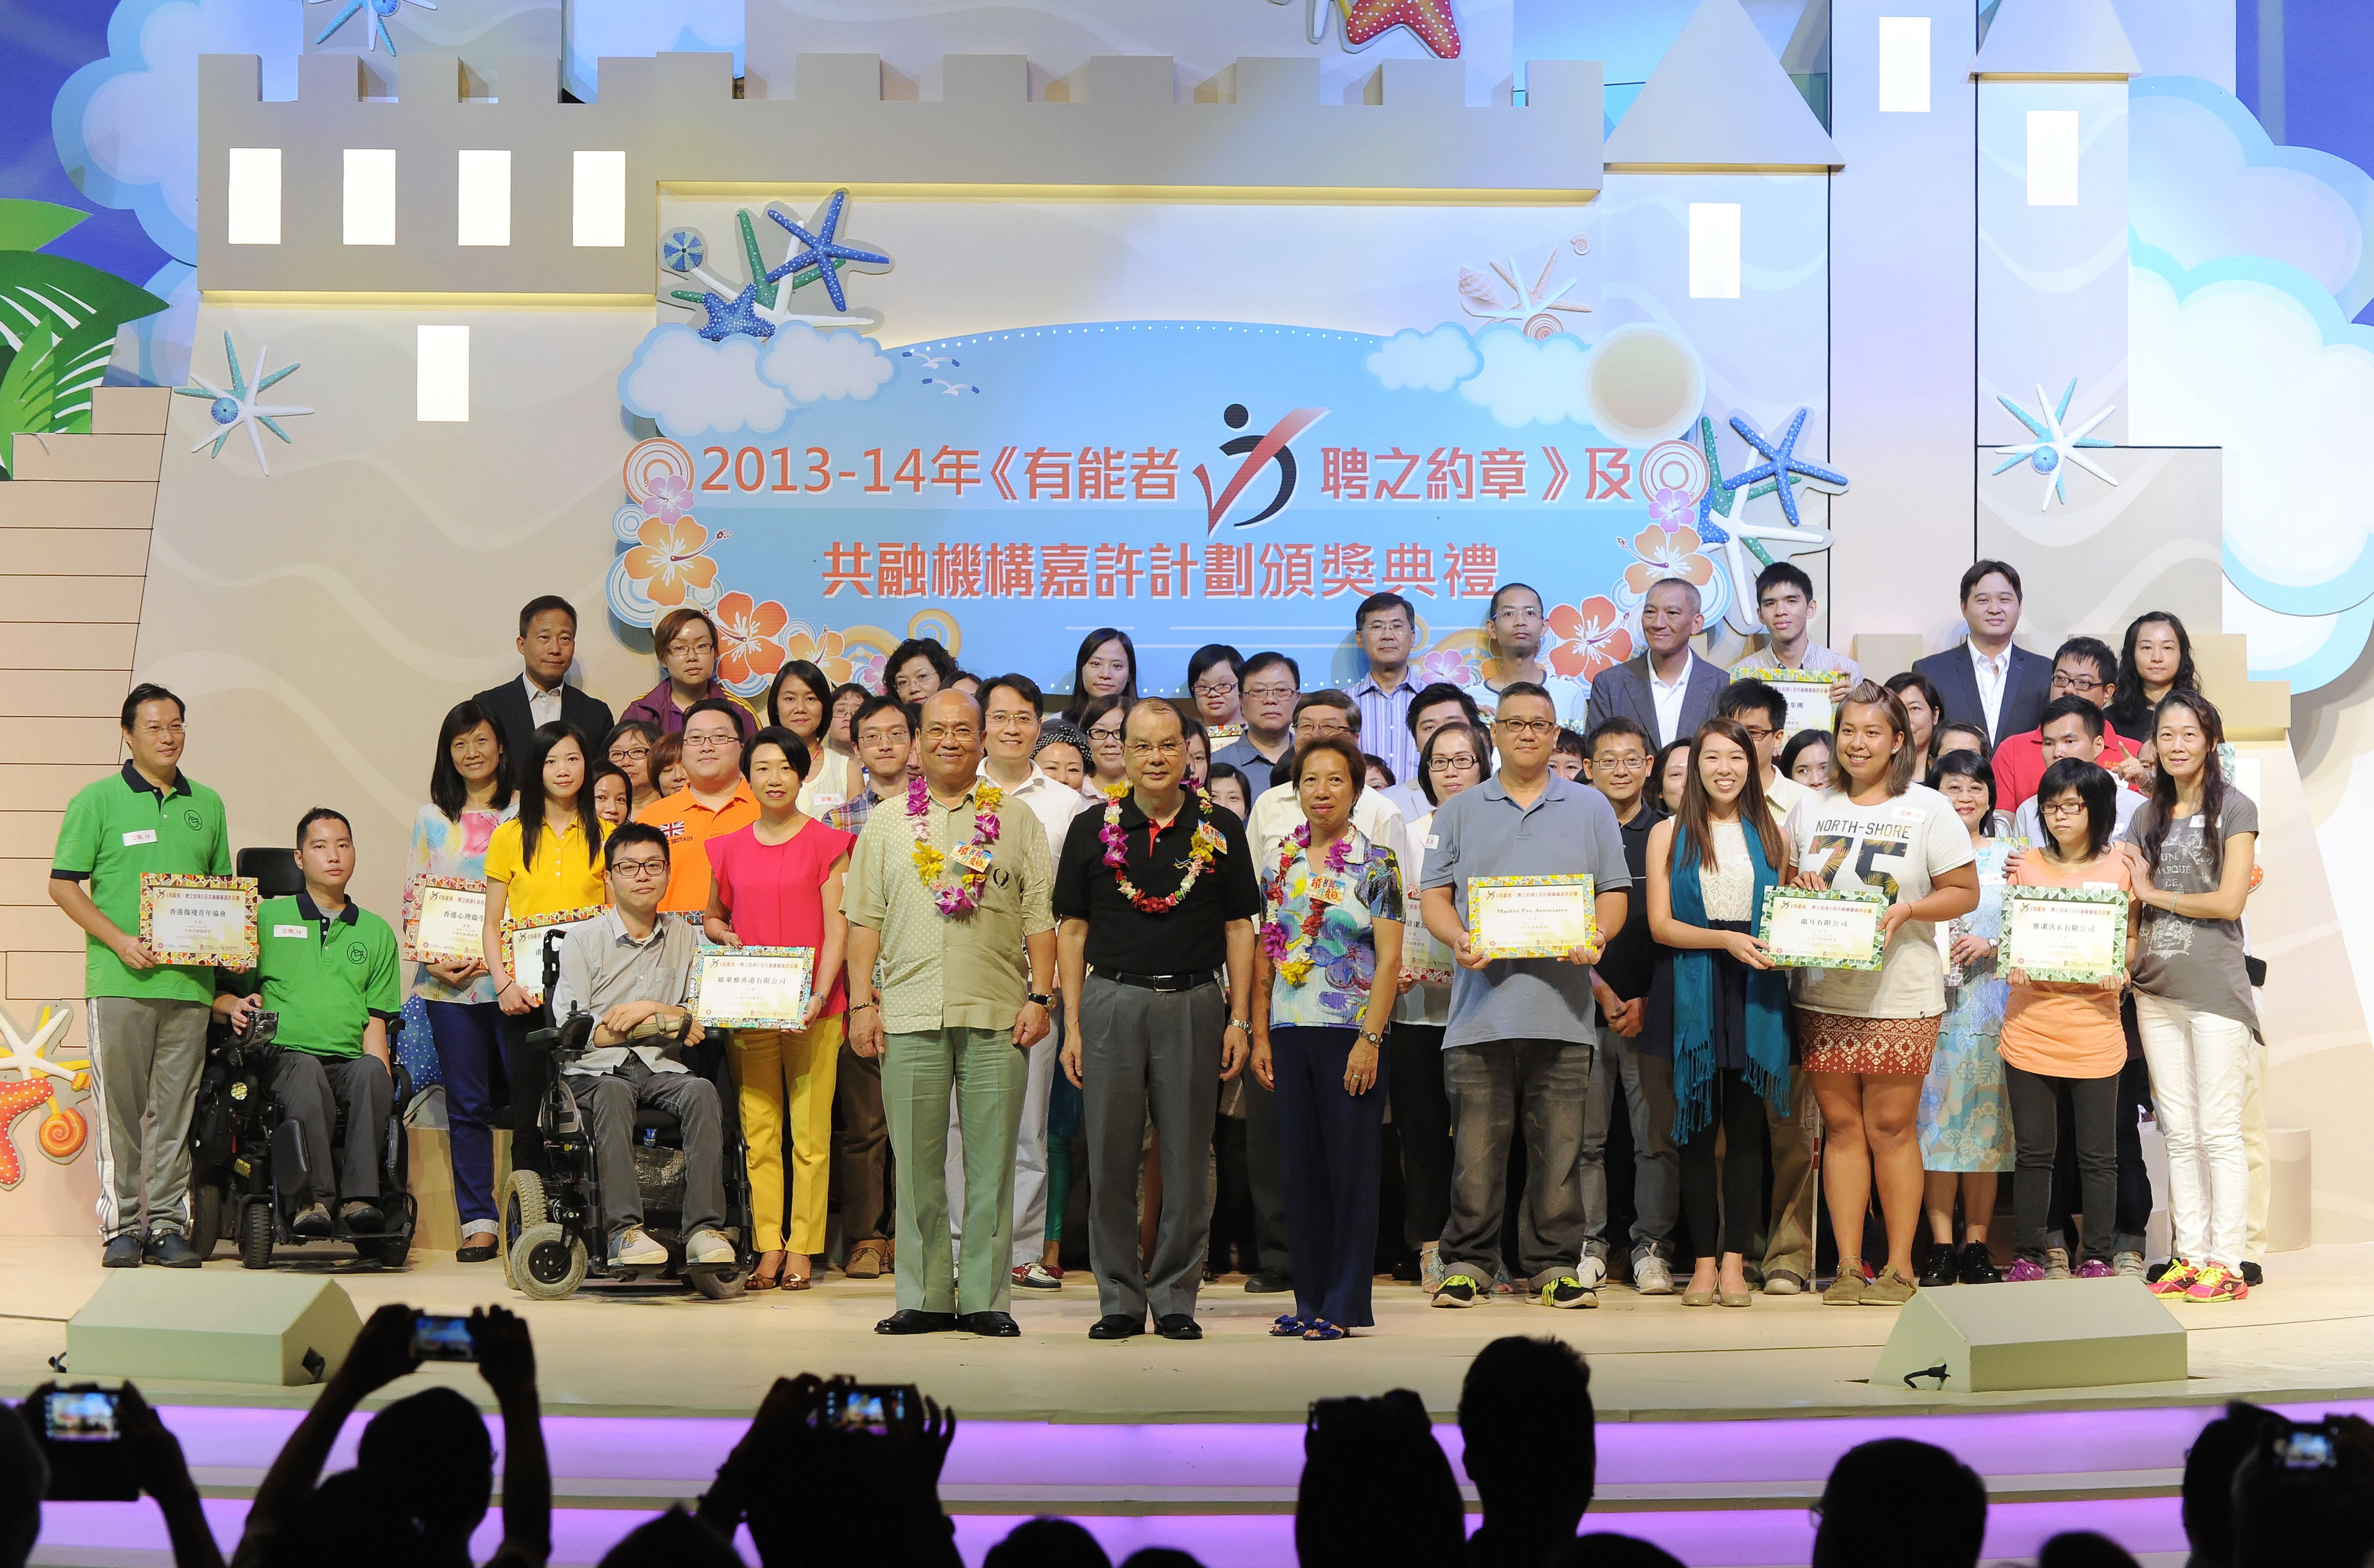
x,y
1384,724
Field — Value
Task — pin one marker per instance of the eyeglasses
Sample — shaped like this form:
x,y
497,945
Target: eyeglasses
x,y
944,732
1452,761
2081,684
160,730
1102,732
882,736
709,742
1155,747
1215,688
2063,808
639,870
1757,732
1266,692
1525,727
631,754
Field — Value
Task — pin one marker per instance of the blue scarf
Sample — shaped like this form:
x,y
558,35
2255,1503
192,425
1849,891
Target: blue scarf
x,y
1768,1000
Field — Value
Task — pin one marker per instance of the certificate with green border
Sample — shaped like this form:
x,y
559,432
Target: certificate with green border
x,y
752,987
1833,928
1525,917
1807,693
2073,935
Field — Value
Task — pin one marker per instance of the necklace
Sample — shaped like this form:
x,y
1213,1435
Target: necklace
x,y
1291,956
1207,847
960,896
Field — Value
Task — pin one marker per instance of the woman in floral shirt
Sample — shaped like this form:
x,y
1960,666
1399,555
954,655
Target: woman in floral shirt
x,y
1325,979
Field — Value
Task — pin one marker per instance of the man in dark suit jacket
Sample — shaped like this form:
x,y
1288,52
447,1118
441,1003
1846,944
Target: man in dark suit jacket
x,y
1668,620
2019,682
548,646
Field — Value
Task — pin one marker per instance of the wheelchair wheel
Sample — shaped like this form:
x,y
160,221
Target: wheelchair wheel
x,y
205,1217
547,1262
523,1206
255,1235
718,1284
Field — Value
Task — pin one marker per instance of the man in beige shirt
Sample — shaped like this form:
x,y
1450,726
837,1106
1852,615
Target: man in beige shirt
x,y
966,958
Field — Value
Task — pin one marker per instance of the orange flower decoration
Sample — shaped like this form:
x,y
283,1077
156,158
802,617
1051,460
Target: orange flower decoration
x,y
1661,554
669,562
1591,637
749,636
822,649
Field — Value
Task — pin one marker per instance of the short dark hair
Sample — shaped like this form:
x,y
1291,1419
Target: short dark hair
x,y
734,713
1132,706
1021,685
1525,688
1566,743
1965,727
2090,713
1493,608
649,731
149,691
1200,661
2095,787
432,1446
2207,1506
1220,771
541,603
629,833
1377,602
1441,691
1783,575
1741,696
1981,570
1512,1388
1260,662
1806,740
1608,728
1477,739
819,686
1378,765
1330,698
447,790
878,702
1344,750
2096,651
1882,1493
322,814
927,649
795,751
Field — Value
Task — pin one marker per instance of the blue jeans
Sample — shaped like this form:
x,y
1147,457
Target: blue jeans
x,y
469,1049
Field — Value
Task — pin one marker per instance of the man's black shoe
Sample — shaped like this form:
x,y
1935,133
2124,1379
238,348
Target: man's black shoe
x,y
991,1325
1978,1266
1178,1325
124,1252
1944,1267
1117,1325
167,1249
1268,1281
2251,1275
914,1320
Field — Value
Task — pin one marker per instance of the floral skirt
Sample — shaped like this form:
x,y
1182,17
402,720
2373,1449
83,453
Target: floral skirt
x,y
1871,1047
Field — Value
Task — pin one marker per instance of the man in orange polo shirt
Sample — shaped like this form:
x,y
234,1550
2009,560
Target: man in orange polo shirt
x,y
718,800
2084,668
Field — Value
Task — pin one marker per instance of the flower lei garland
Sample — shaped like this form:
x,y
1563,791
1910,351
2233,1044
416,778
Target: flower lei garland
x,y
960,896
1291,956
1208,846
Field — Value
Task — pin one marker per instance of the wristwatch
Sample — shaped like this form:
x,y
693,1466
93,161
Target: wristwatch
x,y
1377,1040
1238,1023
1040,999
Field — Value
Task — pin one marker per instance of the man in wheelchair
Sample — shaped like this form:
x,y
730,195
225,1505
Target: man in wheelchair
x,y
328,967
629,969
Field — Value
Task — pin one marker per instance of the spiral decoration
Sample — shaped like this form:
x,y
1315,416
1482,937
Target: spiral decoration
x,y
62,1132
1674,465
651,459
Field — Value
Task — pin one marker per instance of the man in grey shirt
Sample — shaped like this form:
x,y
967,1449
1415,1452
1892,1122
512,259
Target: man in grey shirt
x,y
1519,1044
631,965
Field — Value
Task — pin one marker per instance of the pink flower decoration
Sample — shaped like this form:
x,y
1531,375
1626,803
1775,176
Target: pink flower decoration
x,y
671,496
1669,509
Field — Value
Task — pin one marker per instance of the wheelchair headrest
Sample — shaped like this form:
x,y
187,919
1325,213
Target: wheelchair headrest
x,y
275,871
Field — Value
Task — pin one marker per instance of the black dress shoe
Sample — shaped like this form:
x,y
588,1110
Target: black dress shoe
x,y
1178,1325
2252,1276
1117,1325
167,1249
914,1320
1978,1267
990,1325
1944,1267
124,1252
1268,1281
480,1248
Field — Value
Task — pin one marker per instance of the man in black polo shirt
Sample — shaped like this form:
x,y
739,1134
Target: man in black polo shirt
x,y
1140,945
1619,751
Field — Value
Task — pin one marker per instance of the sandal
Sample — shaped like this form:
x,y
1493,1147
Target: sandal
x,y
762,1277
1288,1326
797,1268
1321,1329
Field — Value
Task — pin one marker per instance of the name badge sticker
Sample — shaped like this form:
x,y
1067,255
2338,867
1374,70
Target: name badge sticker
x,y
1330,888
143,835
296,931
1908,814
1434,841
971,856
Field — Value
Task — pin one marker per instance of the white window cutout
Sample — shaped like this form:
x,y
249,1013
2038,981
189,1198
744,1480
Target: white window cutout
x,y
485,190
598,214
2052,157
254,197
443,390
1904,65
1714,250
371,196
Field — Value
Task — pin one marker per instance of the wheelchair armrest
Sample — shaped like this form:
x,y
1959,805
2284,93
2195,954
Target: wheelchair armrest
x,y
568,1039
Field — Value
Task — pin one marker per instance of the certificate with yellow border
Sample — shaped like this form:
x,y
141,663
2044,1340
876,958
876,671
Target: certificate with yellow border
x,y
524,942
446,919
187,919
1519,917
752,987
1807,693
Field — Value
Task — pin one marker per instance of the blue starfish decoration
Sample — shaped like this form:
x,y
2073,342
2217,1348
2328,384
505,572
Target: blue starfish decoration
x,y
727,317
375,32
1781,461
1710,531
823,252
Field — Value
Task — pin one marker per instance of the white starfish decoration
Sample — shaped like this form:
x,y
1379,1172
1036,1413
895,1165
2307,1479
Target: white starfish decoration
x,y
238,405
1780,540
1532,310
25,1054
2056,442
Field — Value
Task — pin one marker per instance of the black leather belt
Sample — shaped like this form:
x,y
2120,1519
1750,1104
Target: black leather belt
x,y
1156,982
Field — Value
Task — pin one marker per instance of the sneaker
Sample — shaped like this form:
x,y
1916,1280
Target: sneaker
x,y
1944,1267
631,1248
1430,1270
2176,1279
1848,1287
2252,1277
2024,1270
2056,1263
1893,1288
2128,1266
1652,1276
1567,1291
1457,1291
1035,1277
1784,1282
707,1249
2217,1283
1977,1267
1591,1270
2094,1268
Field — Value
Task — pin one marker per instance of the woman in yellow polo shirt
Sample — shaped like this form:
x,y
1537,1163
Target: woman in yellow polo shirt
x,y
545,861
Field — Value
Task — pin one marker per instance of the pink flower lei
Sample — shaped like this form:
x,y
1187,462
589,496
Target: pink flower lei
x,y
1208,845
1291,956
961,896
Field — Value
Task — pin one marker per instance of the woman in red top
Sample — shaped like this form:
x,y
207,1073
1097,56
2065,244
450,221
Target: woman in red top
x,y
776,883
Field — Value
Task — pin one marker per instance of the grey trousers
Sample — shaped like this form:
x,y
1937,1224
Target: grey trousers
x,y
1647,1088
1796,1185
1495,1088
145,1059
608,1102
1266,1175
311,1089
1149,1054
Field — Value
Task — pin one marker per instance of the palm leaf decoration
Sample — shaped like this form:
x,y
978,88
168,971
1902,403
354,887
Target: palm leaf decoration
x,y
58,320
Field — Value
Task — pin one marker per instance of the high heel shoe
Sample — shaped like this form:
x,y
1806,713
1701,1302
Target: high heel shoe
x,y
1734,1298
1697,1298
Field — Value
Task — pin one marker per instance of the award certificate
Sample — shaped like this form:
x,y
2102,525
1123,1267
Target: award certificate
x,y
1807,693
2064,934
1515,917
205,920
447,919
1804,929
524,943
752,987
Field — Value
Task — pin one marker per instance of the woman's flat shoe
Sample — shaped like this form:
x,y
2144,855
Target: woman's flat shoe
x,y
1734,1298
1697,1298
1288,1326
1321,1329
479,1248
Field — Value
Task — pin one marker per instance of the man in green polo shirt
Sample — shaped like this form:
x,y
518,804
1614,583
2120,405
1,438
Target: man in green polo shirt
x,y
328,967
147,1019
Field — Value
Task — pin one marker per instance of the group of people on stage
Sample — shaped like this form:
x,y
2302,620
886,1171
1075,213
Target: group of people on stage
x,y
1120,926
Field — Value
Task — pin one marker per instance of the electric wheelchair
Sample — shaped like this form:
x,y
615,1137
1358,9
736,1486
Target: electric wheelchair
x,y
243,1144
556,1229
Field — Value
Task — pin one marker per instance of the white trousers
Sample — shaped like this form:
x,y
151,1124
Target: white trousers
x,y
2200,1072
